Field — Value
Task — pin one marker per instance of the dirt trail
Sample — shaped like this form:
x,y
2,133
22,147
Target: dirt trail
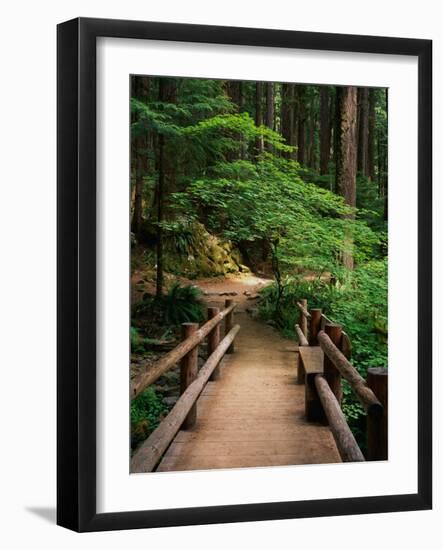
x,y
242,289
254,415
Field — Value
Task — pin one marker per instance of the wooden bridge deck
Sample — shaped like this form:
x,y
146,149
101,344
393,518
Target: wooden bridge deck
x,y
254,415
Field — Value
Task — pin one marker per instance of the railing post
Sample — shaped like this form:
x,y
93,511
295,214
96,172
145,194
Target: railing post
x,y
214,340
377,380
331,373
303,322
189,371
315,326
229,323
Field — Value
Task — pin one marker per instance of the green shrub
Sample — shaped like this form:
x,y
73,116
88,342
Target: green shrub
x,y
136,341
183,305
147,410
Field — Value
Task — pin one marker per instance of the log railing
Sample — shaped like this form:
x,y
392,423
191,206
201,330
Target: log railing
x,y
145,379
327,388
192,381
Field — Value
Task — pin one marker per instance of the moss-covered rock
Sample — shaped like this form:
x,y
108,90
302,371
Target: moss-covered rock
x,y
207,256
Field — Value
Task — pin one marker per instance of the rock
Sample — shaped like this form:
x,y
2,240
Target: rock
x,y
252,297
247,293
228,293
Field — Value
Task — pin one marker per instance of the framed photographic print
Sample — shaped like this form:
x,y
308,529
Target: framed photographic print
x,y
244,253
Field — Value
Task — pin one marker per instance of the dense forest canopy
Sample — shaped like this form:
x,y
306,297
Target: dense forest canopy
x,y
282,179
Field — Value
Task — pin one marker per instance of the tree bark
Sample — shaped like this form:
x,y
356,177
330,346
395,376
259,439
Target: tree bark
x,y
270,108
325,130
363,130
259,113
287,116
141,90
301,154
346,169
167,94
370,165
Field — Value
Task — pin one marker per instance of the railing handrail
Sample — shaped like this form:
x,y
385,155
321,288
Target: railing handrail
x,y
344,439
358,384
145,379
301,337
149,454
303,310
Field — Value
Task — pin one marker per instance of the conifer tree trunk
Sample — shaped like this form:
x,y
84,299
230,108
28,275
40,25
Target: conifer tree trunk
x,y
370,165
325,130
294,119
259,113
166,167
270,108
141,89
346,158
301,123
287,115
270,105
363,130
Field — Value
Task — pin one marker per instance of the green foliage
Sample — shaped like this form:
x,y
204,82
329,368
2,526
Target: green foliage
x,y
147,410
268,200
137,344
182,304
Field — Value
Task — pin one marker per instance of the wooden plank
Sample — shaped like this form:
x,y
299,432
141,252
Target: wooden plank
x,y
312,358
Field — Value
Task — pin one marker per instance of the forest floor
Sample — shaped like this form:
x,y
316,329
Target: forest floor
x,y
242,288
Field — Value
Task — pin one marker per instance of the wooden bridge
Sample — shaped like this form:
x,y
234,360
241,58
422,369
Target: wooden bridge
x,y
261,400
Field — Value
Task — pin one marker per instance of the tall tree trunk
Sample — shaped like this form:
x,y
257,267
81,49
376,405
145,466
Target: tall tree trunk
x,y
363,130
312,156
234,90
301,155
166,168
259,113
287,116
285,113
294,120
346,169
370,163
385,210
160,212
270,108
325,130
141,90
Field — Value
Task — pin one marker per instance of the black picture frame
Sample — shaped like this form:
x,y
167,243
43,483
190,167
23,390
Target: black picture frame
x,y
76,175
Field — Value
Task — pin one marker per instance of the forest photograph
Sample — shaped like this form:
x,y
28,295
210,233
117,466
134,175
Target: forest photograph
x,y
259,274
